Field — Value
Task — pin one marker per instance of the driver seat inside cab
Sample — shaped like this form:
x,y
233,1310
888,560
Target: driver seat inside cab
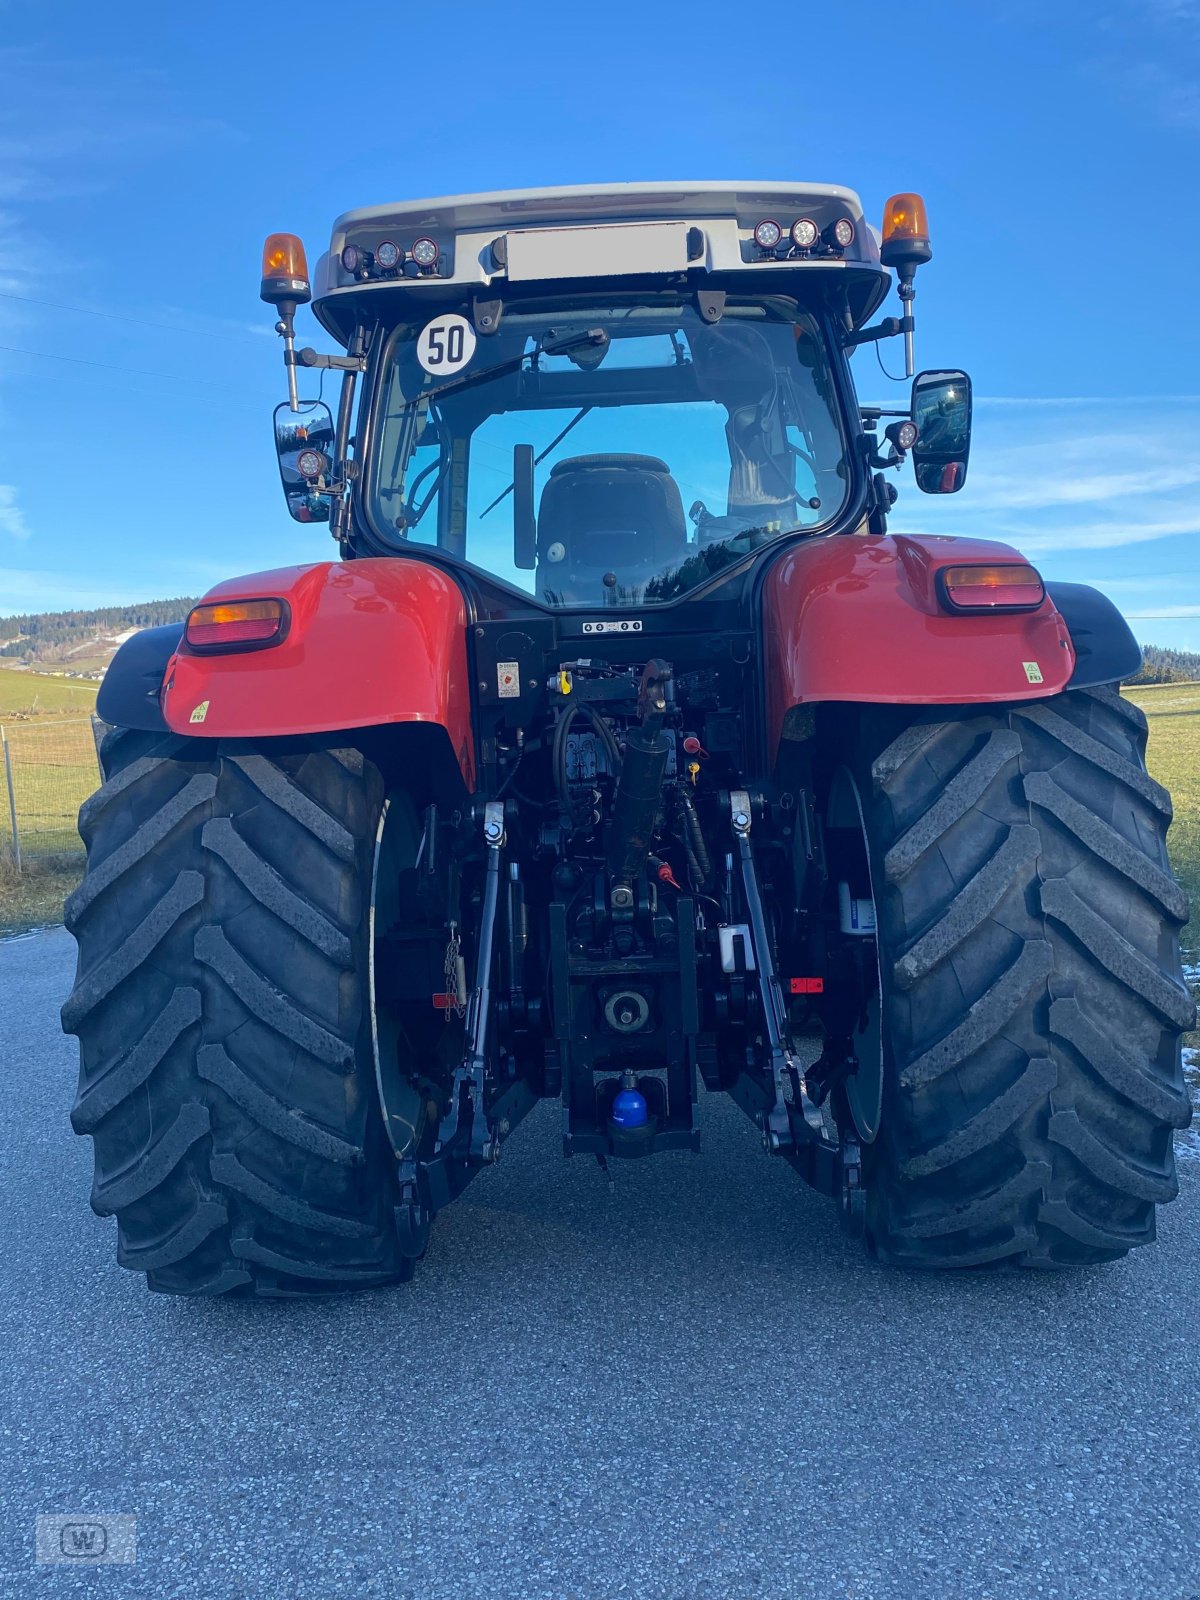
x,y
605,515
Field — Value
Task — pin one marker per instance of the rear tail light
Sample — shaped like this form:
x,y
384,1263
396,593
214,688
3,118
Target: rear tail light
x,y
1013,586
236,625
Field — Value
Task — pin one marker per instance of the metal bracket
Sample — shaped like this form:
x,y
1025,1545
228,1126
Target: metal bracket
x,y
853,1196
711,304
411,1215
308,357
471,1074
486,314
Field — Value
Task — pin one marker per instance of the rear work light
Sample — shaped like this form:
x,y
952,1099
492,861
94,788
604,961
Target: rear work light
x,y
805,233
1013,586
236,625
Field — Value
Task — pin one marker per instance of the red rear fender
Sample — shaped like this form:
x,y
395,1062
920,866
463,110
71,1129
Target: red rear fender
x,y
368,643
858,618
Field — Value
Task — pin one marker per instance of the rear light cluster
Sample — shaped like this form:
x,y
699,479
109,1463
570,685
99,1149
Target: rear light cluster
x,y
1011,586
805,235
388,259
236,625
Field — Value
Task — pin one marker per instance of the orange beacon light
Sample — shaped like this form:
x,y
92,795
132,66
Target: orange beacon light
x,y
905,246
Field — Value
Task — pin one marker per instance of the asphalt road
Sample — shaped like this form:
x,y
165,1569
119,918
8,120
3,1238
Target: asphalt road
x,y
685,1387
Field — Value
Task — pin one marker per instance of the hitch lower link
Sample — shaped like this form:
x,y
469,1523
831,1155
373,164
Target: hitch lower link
x,y
413,1215
470,1074
793,1128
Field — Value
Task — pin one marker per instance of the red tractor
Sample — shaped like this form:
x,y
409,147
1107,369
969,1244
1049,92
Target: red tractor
x,y
622,752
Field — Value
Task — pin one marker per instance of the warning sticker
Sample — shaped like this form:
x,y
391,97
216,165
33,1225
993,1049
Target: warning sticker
x,y
508,680
201,711
446,345
1032,671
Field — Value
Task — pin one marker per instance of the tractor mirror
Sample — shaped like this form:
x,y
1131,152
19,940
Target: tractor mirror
x,y
524,513
304,443
941,409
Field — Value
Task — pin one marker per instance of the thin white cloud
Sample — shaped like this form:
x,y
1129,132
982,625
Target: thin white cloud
x,y
12,518
1159,612
1149,585
1113,400
32,589
1009,492
1101,535
1088,475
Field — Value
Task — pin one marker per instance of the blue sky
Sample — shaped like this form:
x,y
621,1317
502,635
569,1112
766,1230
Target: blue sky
x,y
145,150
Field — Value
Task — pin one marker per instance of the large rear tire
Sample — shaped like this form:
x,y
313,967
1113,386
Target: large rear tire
x,y
1028,938
221,1003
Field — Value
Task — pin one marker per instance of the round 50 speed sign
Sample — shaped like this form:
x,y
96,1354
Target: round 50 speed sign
x,y
446,345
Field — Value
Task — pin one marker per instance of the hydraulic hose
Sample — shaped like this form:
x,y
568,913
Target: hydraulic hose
x,y
697,849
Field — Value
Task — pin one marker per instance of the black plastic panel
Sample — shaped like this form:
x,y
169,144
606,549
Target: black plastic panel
x,y
129,694
1105,649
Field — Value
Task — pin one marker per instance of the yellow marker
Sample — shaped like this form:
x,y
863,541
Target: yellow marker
x,y
693,771
201,711
564,683
1032,671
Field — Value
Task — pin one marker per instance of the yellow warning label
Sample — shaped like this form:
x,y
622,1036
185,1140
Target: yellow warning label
x,y
201,711
1032,671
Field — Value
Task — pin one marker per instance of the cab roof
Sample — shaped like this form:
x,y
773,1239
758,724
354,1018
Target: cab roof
x,y
717,219
615,202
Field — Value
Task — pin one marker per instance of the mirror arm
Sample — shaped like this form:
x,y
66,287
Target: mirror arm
x,y
345,470
889,328
286,329
308,357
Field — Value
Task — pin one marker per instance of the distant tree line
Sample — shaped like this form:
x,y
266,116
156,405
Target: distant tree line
x,y
48,637
1167,666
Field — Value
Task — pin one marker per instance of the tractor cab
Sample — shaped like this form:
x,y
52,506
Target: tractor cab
x,y
610,397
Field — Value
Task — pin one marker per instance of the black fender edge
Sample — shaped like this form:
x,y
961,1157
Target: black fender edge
x,y
1105,649
128,695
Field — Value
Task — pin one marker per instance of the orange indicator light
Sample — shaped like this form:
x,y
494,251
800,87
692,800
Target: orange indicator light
x,y
1014,586
236,624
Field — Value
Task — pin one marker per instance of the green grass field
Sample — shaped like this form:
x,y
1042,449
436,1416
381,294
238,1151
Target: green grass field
x,y
1173,756
54,769
39,694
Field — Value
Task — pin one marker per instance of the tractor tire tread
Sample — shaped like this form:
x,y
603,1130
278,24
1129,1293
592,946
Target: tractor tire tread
x,y
226,1068
1028,927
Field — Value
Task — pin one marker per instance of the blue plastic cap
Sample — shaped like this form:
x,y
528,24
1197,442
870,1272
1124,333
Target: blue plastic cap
x,y
629,1109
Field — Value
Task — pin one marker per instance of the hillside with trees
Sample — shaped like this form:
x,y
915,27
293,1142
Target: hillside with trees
x,y
1168,666
81,640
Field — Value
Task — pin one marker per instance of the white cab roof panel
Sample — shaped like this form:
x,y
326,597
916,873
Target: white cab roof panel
x,y
603,231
